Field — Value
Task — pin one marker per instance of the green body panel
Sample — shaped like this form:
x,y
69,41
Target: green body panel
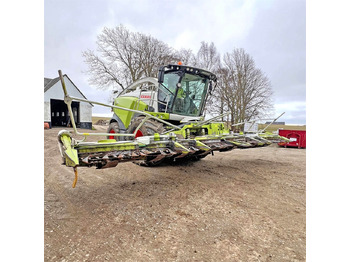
x,y
181,147
106,147
71,155
211,129
130,103
216,129
164,116
202,146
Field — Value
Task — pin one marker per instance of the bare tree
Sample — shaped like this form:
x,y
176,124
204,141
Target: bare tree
x,y
152,54
102,74
185,56
124,57
244,89
208,57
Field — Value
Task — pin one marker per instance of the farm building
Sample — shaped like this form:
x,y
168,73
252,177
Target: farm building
x,y
275,123
56,111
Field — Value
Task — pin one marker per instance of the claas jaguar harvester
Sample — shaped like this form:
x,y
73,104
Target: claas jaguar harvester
x,y
156,121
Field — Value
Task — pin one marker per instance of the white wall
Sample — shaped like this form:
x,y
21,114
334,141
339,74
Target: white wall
x,y
85,112
47,110
56,92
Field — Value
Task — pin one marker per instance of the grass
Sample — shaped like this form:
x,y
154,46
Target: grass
x,y
272,127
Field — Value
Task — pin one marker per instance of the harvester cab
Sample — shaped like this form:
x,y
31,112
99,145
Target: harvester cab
x,y
178,95
183,90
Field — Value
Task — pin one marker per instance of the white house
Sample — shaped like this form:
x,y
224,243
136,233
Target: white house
x,y
55,109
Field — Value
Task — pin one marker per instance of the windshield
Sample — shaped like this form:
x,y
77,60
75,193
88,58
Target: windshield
x,y
186,98
191,95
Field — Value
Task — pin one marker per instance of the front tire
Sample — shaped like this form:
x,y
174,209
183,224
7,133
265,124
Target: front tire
x,y
149,128
113,128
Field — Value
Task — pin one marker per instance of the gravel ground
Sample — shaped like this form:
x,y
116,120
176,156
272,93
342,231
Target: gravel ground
x,y
242,205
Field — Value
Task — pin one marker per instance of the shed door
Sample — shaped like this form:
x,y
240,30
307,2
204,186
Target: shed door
x,y
60,115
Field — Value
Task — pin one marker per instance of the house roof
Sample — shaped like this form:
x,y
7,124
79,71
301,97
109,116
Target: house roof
x,y
48,83
46,80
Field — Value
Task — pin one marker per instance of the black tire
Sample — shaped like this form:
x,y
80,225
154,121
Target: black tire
x,y
149,128
113,128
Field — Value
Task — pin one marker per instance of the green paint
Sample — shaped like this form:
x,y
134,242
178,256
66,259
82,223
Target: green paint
x,y
129,103
105,147
71,155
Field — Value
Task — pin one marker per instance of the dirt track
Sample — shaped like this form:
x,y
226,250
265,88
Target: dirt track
x,y
243,205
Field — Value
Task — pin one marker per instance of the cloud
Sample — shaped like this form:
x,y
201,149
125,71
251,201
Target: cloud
x,y
295,112
185,40
291,106
277,42
220,23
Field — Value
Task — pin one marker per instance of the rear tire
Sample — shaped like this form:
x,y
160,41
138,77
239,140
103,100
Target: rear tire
x,y
149,128
113,128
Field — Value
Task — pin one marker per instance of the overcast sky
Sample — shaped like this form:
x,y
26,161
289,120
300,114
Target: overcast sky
x,y
271,31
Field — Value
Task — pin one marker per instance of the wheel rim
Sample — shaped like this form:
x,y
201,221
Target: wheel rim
x,y
112,132
138,133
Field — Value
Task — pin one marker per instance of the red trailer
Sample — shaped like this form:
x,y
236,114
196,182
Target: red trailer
x,y
297,138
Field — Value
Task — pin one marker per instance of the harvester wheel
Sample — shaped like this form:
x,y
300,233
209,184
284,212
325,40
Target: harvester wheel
x,y
149,128
112,129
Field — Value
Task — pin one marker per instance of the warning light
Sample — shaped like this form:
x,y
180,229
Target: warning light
x,y
179,63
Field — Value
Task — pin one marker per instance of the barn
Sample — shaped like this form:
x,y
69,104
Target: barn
x,y
55,109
